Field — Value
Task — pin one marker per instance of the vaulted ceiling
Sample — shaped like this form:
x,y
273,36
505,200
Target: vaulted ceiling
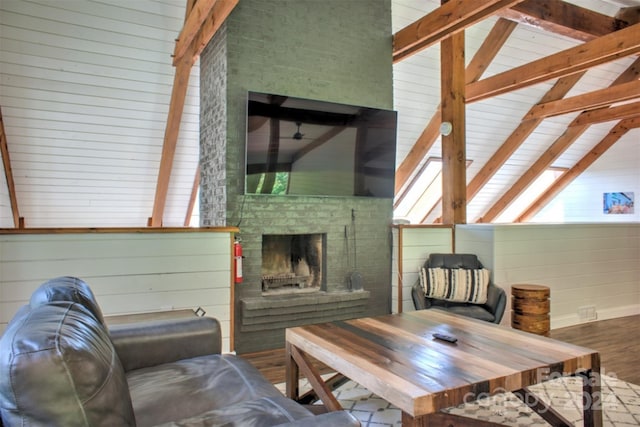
x,y
539,78
100,130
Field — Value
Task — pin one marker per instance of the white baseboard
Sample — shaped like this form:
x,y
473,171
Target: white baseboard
x,y
603,314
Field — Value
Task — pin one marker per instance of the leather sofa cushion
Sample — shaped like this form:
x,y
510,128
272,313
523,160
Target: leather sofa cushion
x,y
178,390
150,343
67,288
58,367
264,412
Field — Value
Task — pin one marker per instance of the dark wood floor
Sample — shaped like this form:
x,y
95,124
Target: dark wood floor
x,y
617,340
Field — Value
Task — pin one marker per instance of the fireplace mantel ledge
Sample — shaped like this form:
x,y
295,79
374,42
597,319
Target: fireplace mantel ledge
x,y
291,300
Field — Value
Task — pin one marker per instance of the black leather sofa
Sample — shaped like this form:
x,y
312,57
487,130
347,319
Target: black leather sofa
x,y
491,311
61,366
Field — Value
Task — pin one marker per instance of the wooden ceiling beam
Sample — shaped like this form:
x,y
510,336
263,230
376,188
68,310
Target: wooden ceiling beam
x,y
629,14
587,101
172,129
454,157
563,18
604,49
551,154
614,135
192,26
620,112
547,158
193,197
451,17
218,11
476,67
518,137
212,24
8,173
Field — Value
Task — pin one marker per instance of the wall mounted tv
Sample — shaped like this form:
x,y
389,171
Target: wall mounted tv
x,y
306,147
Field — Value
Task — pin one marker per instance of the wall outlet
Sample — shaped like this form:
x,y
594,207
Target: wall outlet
x,y
587,313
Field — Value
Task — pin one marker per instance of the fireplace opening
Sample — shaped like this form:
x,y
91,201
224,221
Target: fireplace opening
x,y
292,262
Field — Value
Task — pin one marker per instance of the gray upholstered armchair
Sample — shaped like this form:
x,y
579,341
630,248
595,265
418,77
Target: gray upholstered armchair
x,y
491,311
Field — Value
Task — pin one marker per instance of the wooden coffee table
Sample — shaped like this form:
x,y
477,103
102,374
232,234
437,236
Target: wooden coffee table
x,y
396,358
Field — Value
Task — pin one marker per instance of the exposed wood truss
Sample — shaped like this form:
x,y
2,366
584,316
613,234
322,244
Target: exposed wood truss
x,y
518,137
481,60
618,131
443,22
203,19
604,49
6,162
454,201
605,39
532,13
562,18
621,112
193,197
619,93
572,133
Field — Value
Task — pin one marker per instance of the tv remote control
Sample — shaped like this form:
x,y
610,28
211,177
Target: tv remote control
x,y
446,338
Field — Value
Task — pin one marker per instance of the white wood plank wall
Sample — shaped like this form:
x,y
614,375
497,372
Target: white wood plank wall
x,y
85,87
585,265
616,171
417,243
128,272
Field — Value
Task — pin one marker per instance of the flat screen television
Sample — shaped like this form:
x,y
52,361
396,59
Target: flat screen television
x,y
300,146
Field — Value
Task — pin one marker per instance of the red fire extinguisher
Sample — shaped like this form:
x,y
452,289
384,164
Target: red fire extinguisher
x,y
237,262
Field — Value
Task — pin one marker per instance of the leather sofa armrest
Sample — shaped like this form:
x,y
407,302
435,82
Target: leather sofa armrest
x,y
333,419
151,343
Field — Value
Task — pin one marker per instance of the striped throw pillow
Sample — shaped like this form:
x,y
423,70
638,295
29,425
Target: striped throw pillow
x,y
456,284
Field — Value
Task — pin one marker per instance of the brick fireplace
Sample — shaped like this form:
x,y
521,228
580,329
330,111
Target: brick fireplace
x,y
298,48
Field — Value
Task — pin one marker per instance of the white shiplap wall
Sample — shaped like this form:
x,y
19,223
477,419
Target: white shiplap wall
x,y
583,264
417,243
128,272
85,87
582,200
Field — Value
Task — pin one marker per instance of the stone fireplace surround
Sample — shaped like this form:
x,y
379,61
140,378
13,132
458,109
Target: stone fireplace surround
x,y
267,312
261,317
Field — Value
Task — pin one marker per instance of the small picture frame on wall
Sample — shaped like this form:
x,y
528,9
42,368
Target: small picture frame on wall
x,y
617,203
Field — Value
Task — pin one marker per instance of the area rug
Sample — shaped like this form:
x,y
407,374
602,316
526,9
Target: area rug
x,y
621,404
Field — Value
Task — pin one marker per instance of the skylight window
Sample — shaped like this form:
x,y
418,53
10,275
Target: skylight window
x,y
424,192
535,190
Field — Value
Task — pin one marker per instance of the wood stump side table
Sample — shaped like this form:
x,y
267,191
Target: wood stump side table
x,y
530,308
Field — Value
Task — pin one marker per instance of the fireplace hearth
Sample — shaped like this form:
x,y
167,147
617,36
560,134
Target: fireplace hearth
x,y
293,263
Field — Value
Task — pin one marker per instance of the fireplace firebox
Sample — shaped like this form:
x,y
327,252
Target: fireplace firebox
x,y
293,263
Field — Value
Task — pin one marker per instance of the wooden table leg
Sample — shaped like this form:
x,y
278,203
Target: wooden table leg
x,y
292,374
545,411
591,398
298,361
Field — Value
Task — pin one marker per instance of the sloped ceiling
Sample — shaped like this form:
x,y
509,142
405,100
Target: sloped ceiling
x,y
492,121
85,89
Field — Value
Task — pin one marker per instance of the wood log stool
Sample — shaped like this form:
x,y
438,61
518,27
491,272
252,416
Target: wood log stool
x,y
530,308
